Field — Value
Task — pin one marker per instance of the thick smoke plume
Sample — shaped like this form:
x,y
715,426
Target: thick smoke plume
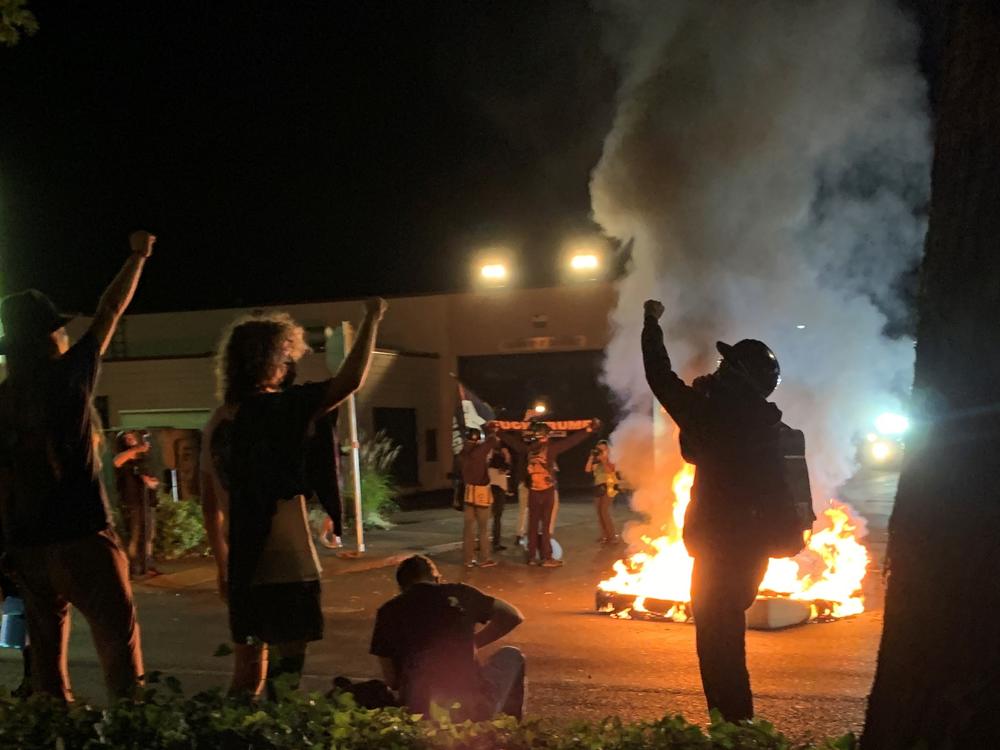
x,y
769,163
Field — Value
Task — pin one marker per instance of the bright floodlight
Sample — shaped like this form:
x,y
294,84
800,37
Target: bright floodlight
x,y
540,408
892,424
584,262
881,451
493,271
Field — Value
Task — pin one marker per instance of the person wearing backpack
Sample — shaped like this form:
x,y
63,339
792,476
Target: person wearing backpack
x,y
733,436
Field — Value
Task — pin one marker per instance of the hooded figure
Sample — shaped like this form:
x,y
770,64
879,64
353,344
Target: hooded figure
x,y
732,434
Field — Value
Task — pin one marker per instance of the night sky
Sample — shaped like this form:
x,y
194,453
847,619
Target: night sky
x,y
288,151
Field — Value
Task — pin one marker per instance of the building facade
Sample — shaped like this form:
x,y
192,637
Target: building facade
x,y
512,346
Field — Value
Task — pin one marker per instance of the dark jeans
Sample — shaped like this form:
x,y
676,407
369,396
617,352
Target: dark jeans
x,y
504,672
140,519
91,574
722,588
540,503
499,500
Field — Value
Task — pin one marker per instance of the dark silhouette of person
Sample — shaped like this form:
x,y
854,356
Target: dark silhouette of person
x,y
731,433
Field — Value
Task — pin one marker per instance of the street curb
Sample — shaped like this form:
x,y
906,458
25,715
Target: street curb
x,y
206,577
374,563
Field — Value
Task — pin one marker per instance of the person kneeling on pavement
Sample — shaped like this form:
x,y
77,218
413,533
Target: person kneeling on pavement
x,y
427,643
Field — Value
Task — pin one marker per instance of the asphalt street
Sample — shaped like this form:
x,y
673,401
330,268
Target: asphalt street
x,y
809,680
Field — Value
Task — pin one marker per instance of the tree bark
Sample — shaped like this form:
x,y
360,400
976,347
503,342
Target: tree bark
x,y
938,675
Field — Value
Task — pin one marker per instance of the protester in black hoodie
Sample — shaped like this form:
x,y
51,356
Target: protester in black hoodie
x,y
730,432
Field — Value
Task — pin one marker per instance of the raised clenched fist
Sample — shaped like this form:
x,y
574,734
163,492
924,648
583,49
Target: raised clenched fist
x,y
141,243
376,307
654,308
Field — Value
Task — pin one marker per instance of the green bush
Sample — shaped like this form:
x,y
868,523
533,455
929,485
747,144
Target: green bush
x,y
377,456
163,719
180,529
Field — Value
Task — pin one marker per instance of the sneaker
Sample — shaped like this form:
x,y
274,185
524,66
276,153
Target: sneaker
x,y
488,564
331,542
552,563
471,564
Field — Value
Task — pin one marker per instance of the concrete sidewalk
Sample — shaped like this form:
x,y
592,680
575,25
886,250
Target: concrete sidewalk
x,y
427,532
439,530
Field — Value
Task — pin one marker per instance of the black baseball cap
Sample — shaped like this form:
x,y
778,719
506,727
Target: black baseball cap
x,y
29,315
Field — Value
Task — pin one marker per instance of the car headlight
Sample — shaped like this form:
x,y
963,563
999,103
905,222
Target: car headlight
x,y
882,451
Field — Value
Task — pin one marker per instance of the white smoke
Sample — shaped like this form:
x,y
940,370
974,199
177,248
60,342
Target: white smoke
x,y
769,161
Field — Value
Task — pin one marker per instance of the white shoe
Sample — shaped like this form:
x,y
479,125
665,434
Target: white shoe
x,y
331,542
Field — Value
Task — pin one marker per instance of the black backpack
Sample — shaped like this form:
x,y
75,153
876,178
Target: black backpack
x,y
792,513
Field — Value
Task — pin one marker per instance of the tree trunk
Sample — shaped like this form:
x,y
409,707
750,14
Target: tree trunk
x,y
938,676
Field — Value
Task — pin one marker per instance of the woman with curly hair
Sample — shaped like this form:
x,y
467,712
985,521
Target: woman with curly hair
x,y
255,486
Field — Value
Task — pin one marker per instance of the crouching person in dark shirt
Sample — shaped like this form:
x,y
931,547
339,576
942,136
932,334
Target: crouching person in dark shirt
x,y
427,642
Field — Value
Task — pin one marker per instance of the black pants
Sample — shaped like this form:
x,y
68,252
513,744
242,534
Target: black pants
x,y
499,500
540,504
90,573
140,519
722,588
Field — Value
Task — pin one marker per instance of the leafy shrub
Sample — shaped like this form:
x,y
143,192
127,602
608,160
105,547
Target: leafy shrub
x,y
377,457
179,528
163,719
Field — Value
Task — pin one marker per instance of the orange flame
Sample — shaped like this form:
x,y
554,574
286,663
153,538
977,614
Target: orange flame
x,y
829,570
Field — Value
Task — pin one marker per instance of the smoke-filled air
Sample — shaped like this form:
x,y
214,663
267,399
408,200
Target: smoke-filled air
x,y
769,164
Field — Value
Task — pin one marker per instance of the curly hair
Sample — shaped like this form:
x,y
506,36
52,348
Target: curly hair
x,y
252,348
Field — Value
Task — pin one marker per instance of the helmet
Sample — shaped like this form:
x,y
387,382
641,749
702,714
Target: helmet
x,y
755,361
473,433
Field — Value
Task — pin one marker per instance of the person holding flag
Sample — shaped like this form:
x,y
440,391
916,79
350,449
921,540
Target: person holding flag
x,y
471,412
478,499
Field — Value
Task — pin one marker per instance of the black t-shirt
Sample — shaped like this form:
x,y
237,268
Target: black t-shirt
x,y
264,461
48,451
128,478
428,632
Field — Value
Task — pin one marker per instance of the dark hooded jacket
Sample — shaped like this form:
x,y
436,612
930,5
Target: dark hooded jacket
x,y
732,436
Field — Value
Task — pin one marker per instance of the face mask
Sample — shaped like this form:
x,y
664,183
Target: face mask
x,y
290,374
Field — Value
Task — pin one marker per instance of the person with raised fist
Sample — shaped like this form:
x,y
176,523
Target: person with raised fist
x,y
731,433
256,481
53,505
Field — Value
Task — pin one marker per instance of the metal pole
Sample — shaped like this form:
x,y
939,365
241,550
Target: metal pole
x,y
352,422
